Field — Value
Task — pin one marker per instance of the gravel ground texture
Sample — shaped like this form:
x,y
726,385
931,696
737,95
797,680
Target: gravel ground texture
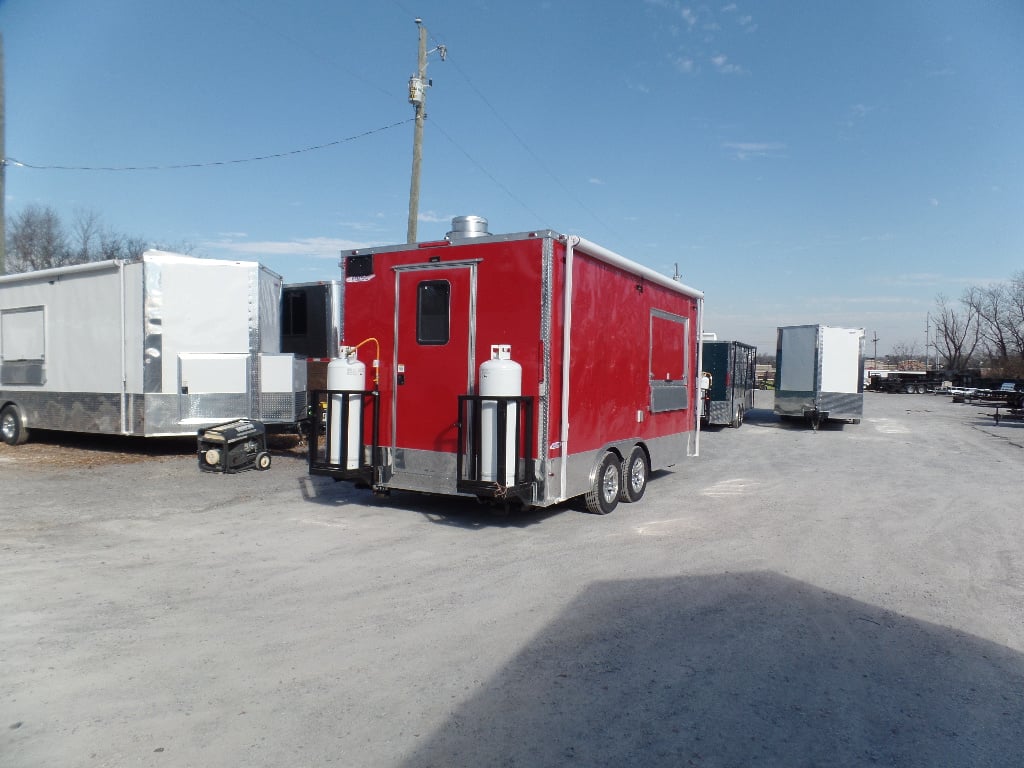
x,y
844,597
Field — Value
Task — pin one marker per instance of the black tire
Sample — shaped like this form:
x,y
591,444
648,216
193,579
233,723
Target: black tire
x,y
635,472
262,461
12,430
603,496
737,418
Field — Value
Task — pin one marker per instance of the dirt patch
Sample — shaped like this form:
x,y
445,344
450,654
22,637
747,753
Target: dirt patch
x,y
72,450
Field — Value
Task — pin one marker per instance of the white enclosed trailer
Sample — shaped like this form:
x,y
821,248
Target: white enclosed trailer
x,y
160,346
819,373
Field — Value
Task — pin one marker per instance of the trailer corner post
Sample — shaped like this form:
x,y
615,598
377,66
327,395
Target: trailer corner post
x,y
124,353
563,435
698,392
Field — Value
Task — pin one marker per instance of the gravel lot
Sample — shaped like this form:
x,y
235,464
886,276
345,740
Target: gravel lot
x,y
846,597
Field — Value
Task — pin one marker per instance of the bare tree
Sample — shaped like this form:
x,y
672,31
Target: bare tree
x,y
1000,312
86,231
1015,324
904,354
35,240
957,334
114,245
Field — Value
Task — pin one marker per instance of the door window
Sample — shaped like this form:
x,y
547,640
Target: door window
x,y
433,312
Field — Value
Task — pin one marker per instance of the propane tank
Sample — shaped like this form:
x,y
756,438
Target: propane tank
x,y
348,374
500,376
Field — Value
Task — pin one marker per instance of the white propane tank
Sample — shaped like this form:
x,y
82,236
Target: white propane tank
x,y
346,373
500,376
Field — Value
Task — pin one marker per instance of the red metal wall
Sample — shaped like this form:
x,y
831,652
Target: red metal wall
x,y
611,352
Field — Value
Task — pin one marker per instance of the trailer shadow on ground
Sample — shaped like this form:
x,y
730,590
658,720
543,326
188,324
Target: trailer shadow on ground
x,y
457,511
738,669
764,417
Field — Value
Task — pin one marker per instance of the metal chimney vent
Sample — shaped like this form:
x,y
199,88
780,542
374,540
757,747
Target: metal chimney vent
x,y
468,226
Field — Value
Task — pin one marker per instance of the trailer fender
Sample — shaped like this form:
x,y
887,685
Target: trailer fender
x,y
13,429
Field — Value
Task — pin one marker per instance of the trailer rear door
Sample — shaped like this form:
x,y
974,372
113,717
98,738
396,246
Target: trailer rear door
x,y
434,359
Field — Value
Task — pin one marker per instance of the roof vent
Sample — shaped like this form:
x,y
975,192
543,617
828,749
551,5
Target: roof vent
x,y
468,226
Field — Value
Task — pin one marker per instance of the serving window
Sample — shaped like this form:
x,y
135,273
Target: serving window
x,y
669,361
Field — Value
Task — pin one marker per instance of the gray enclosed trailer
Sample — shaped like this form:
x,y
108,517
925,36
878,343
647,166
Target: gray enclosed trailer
x,y
819,373
161,346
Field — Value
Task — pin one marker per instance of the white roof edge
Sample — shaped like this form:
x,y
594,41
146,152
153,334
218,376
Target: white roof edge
x,y
610,257
70,269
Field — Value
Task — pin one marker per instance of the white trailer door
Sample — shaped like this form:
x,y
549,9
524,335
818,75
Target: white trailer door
x,y
840,363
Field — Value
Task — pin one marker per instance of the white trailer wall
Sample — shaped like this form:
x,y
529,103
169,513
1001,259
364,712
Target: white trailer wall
x,y
151,347
82,329
841,359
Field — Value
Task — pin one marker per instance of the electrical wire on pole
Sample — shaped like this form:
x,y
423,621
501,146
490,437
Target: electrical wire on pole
x,y
418,85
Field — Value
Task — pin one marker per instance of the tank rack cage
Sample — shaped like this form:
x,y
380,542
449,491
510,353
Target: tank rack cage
x,y
475,459
330,413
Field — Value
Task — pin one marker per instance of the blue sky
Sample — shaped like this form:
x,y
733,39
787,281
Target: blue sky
x,y
832,162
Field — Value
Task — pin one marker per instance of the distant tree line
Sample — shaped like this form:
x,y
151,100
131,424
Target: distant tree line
x,y
37,238
985,328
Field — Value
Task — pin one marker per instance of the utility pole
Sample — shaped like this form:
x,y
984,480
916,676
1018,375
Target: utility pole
x,y
418,85
875,340
927,334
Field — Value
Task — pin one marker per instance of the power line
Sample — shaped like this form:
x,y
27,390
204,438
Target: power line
x,y
544,167
569,192
488,174
210,164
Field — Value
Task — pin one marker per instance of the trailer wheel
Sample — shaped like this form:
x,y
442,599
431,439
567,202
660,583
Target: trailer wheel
x,y
634,476
12,430
262,461
737,418
603,497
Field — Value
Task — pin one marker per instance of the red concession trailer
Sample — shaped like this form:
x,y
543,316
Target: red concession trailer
x,y
528,368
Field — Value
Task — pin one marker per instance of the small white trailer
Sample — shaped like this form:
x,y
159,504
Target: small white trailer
x,y
819,373
160,346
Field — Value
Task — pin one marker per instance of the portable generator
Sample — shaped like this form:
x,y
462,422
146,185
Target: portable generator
x,y
233,447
